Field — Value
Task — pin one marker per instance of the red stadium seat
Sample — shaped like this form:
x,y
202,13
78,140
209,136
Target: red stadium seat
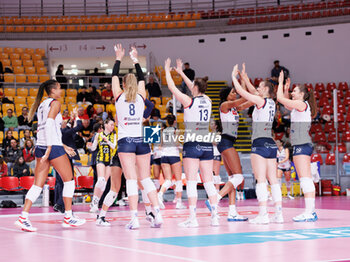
x,y
323,102
316,128
330,159
341,148
10,183
331,86
343,86
317,157
328,94
347,119
320,137
329,127
279,136
343,127
346,158
346,101
51,181
327,110
346,136
319,87
341,117
331,137
86,182
26,182
341,109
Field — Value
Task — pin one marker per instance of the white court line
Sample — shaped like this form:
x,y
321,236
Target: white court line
x,y
41,214
107,245
335,260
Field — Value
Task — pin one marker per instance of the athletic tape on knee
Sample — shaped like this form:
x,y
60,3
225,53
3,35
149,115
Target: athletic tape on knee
x,y
68,189
166,184
191,189
210,188
261,192
101,183
145,197
131,187
307,185
217,180
276,193
110,198
33,193
178,186
236,180
148,185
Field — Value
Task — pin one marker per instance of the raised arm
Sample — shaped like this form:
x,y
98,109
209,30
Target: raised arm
x,y
246,80
286,88
257,100
185,100
141,79
288,103
179,70
119,53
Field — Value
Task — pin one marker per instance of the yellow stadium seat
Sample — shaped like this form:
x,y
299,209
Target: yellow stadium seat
x,y
10,78
39,63
58,20
30,70
131,27
50,28
70,28
181,24
165,100
33,91
30,28
196,16
110,28
71,92
18,50
180,117
19,29
187,17
90,28
61,99
40,29
4,56
5,107
121,27
81,28
31,100
21,78
43,78
32,78
6,62
157,99
70,107
41,70
22,92
18,69
38,21
20,99
160,25
99,106
16,62
1,49
191,24
61,28
70,100
14,56
15,134
40,51
27,63
101,27
8,50
2,29
29,51
171,25
1,135
177,17
141,26
26,56
36,56
18,108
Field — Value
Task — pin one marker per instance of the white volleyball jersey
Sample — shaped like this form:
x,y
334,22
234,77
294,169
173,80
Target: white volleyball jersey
x,y
300,126
42,114
263,119
157,151
169,147
197,117
281,155
130,116
216,151
229,122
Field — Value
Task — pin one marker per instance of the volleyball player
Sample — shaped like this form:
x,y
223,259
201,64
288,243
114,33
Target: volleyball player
x,y
49,150
196,154
171,163
264,149
215,126
303,108
105,142
284,166
133,153
156,164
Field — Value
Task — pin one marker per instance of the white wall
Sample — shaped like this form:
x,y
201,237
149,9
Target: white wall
x,y
320,57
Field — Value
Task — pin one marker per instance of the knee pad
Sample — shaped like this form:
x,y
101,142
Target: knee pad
x,y
217,180
261,192
210,188
101,183
307,185
156,183
178,186
110,198
131,187
148,185
236,180
166,184
145,197
276,193
191,189
68,189
33,193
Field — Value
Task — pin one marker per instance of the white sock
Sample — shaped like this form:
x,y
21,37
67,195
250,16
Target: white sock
x,y
103,213
133,213
95,200
219,197
148,209
278,208
68,213
232,210
262,210
309,204
156,183
178,200
214,209
192,211
160,194
25,214
156,209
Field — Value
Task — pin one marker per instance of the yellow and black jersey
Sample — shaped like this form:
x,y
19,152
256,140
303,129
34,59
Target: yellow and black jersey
x,y
105,153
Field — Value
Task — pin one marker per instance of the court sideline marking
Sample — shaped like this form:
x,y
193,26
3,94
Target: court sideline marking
x,y
107,245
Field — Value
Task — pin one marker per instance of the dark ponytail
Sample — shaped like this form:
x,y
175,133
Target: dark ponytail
x,y
224,92
47,86
310,98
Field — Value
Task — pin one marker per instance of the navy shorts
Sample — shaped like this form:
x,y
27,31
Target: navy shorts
x,y
156,161
265,147
202,151
304,149
217,158
284,169
56,151
170,160
116,161
103,163
133,145
226,143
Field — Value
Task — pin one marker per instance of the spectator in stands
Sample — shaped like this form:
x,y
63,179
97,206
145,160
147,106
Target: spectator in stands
x,y
23,122
3,167
65,115
191,74
86,130
110,110
90,111
2,125
81,112
12,154
28,154
107,94
20,168
101,113
26,135
95,96
95,81
155,114
84,97
11,121
275,72
169,106
153,88
60,77
6,142
1,72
